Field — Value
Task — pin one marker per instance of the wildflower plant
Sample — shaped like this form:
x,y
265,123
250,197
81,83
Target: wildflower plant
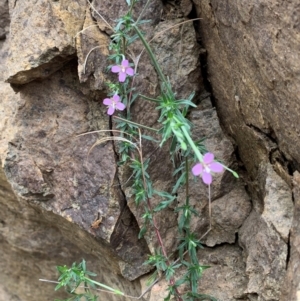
x,y
124,70
206,168
174,127
113,103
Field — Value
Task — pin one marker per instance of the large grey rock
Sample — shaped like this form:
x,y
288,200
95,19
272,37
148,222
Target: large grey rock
x,y
228,214
264,237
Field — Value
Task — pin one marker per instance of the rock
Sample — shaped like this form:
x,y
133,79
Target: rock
x,y
63,196
4,29
266,254
41,152
33,241
176,9
227,268
230,203
4,19
92,51
256,81
188,75
290,287
47,153
264,236
42,37
107,13
278,203
228,215
186,7
53,170
253,68
177,51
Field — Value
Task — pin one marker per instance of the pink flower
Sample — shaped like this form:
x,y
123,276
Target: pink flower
x,y
206,167
113,104
123,70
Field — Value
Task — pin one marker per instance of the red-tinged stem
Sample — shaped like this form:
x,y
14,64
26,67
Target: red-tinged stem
x,y
159,238
160,241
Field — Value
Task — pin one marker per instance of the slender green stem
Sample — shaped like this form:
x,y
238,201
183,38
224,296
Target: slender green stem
x,y
230,170
153,59
191,143
163,79
144,8
106,287
151,99
137,124
187,180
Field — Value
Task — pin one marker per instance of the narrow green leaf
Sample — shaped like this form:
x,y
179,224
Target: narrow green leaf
x,y
163,205
142,232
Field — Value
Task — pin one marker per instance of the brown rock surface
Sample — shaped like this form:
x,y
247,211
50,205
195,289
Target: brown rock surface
x,y
182,41
56,183
47,161
230,203
253,49
278,203
253,68
50,171
54,173
290,288
92,50
177,52
266,254
227,269
42,37
34,240
4,19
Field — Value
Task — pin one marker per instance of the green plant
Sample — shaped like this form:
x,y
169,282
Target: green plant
x,y
71,278
174,127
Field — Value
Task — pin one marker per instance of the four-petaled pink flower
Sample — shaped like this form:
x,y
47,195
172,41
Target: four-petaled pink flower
x,y
206,167
113,104
123,70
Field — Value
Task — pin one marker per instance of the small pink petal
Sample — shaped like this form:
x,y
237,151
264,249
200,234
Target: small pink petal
x,y
208,158
130,71
116,98
110,110
216,167
125,63
120,106
107,101
115,69
207,178
122,77
197,169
